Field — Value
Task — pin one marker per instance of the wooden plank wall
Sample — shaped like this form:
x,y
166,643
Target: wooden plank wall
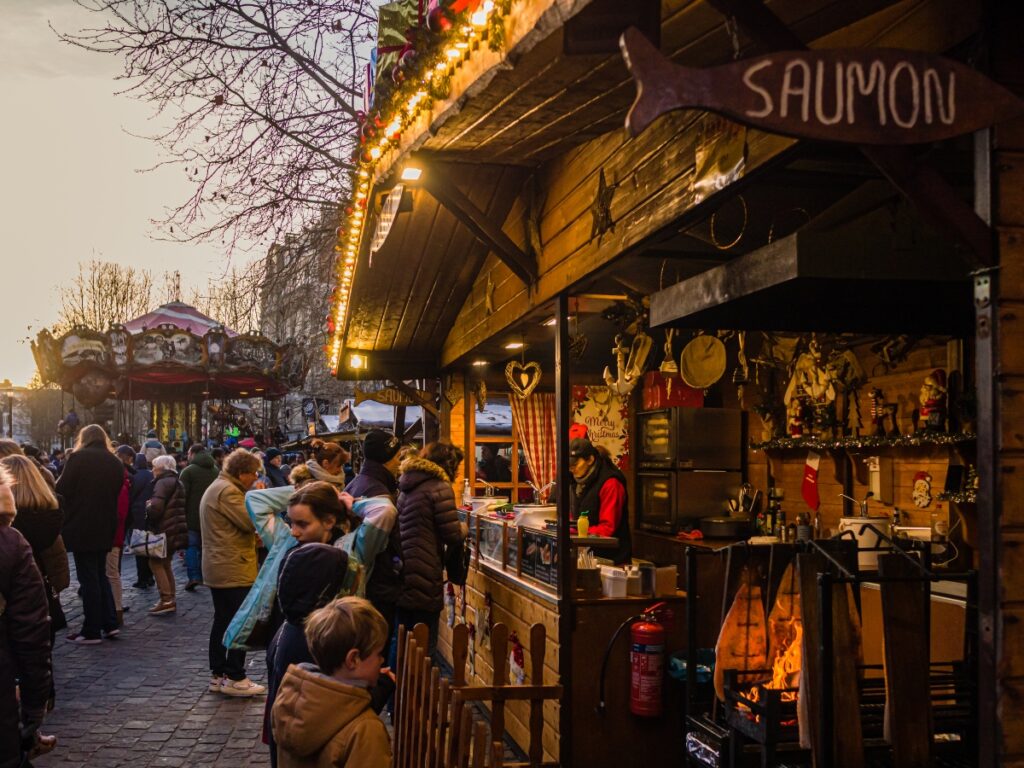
x,y
900,386
1008,216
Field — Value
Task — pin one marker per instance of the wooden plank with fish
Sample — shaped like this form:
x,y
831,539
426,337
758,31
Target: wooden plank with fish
x,y
861,96
391,396
743,642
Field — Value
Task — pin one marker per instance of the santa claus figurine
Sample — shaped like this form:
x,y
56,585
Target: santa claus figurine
x,y
933,402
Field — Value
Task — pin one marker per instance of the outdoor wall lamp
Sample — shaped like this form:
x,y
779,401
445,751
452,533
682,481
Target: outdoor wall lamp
x,y
411,173
357,362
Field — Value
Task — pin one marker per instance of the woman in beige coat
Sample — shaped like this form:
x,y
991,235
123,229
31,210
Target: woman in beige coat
x,y
229,566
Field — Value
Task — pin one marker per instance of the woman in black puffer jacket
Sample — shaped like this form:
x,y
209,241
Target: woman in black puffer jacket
x,y
165,513
428,521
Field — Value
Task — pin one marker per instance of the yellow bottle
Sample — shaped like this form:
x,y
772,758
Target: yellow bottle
x,y
583,524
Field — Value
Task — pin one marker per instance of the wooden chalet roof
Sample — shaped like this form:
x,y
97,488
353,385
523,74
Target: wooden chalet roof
x,y
528,113
405,299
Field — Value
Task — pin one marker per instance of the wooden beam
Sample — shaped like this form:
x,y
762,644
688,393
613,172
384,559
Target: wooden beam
x,y
414,395
438,183
937,202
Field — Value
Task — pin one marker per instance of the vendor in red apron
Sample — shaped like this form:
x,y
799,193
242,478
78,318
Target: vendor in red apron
x,y
599,490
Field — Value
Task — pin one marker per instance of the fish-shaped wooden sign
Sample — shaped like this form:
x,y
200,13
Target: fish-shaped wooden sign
x,y
392,396
856,95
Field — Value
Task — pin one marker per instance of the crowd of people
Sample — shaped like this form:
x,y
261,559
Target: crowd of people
x,y
303,558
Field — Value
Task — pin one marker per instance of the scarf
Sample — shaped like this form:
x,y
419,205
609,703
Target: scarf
x,y
319,473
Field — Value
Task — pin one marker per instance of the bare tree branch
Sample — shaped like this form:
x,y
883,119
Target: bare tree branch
x,y
255,100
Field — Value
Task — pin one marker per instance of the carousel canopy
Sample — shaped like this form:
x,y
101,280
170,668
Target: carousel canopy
x,y
173,353
176,314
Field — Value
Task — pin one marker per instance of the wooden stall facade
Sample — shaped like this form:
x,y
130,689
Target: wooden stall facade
x,y
533,192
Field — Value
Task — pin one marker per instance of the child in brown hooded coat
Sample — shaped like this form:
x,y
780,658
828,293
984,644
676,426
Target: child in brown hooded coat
x,y
322,716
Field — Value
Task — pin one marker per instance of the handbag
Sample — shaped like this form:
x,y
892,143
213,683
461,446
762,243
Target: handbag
x,y
145,544
456,563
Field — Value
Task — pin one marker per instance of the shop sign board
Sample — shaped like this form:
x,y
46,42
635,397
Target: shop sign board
x,y
857,95
392,396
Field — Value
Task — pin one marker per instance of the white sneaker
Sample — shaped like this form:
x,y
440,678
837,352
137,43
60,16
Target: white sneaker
x,y
215,683
244,687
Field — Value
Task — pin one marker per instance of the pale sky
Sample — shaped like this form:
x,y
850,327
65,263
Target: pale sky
x,y
69,186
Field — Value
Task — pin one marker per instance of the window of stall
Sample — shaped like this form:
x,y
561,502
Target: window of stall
x,y
497,459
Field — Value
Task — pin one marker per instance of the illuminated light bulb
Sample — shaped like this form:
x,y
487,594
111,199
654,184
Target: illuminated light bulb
x,y
479,18
488,6
453,53
462,45
363,174
375,153
441,66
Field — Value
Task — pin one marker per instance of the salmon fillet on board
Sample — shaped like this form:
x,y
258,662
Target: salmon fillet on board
x,y
743,642
784,618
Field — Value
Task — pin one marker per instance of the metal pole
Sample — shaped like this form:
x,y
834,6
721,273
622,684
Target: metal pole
x,y
986,292
566,617
825,716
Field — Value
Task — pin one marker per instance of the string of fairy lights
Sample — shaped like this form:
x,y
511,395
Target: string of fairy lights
x,y
482,21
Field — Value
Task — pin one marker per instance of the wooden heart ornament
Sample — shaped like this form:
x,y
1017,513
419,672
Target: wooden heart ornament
x,y
522,378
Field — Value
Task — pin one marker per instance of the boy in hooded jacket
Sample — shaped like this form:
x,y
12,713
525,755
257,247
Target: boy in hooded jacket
x,y
323,715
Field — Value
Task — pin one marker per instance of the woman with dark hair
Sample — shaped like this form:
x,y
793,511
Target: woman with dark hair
x,y
328,463
428,521
90,485
316,513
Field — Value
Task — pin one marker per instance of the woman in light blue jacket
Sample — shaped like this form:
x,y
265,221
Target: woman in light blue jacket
x,y
315,515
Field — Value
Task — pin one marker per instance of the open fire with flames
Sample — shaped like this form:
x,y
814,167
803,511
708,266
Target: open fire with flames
x,y
751,643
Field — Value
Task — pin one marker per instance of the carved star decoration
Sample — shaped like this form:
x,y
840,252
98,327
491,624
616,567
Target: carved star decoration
x,y
601,208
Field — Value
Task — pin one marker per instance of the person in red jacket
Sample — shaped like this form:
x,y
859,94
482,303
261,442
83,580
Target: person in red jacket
x,y
600,492
114,556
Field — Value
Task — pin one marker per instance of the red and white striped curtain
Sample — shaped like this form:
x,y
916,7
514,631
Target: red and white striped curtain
x,y
535,422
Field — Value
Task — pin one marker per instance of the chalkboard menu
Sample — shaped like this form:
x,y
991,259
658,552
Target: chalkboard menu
x,y
539,559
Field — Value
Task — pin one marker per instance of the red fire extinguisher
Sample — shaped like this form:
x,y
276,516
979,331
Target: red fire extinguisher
x,y
646,662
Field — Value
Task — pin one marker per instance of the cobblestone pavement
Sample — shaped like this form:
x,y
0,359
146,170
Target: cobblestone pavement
x,y
142,699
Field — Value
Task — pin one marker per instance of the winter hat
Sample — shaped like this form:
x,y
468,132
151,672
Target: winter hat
x,y
125,450
380,446
151,433
271,454
578,431
311,576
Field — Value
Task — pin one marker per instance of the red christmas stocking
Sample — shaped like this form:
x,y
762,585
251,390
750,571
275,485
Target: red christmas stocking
x,y
809,487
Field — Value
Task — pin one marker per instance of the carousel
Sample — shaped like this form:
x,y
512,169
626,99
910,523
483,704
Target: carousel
x,y
191,370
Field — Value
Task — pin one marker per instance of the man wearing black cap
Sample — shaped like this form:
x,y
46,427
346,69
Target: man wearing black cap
x,y
600,492
277,477
378,477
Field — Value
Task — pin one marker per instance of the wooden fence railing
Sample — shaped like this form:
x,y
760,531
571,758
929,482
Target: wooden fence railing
x,y
435,727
